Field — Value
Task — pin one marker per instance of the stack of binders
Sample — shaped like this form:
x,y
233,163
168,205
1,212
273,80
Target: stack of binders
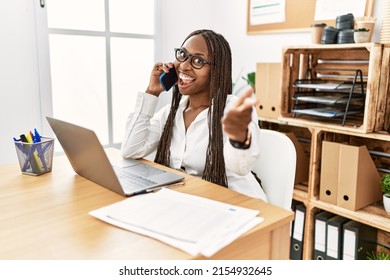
x,y
339,238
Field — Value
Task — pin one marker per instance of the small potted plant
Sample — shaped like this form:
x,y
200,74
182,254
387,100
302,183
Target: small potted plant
x,y
385,185
361,35
382,255
250,80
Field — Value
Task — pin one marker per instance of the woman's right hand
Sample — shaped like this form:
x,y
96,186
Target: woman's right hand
x,y
155,86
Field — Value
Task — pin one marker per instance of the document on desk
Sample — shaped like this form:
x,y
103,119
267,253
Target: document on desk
x,y
193,224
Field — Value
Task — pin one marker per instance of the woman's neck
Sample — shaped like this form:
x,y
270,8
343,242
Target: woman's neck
x,y
198,102
194,107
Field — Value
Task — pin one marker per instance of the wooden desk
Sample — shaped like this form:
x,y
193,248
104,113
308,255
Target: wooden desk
x,y
46,217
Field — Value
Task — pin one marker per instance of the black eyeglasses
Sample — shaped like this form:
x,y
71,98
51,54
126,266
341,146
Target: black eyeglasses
x,y
196,61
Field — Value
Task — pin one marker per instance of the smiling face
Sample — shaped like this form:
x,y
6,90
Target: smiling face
x,y
194,81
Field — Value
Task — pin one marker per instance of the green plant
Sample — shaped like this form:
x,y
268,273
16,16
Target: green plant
x,y
362,30
250,79
382,255
385,183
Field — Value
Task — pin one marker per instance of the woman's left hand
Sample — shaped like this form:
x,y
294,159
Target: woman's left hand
x,y
236,120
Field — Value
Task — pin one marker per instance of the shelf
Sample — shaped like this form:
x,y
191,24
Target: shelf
x,y
327,87
301,194
308,193
380,135
313,47
310,123
324,69
372,215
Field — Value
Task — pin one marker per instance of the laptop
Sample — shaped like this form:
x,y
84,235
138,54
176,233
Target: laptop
x,y
89,160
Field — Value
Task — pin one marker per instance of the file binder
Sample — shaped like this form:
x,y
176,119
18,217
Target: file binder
x,y
359,239
298,232
320,234
358,178
329,172
294,204
334,240
268,81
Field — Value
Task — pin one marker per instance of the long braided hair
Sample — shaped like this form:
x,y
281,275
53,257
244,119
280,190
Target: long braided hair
x,y
220,86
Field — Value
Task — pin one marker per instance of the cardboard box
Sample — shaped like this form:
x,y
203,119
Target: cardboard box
x,y
303,161
268,89
329,172
359,179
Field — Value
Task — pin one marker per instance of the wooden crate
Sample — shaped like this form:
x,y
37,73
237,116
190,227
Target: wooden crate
x,y
379,148
383,109
372,58
301,137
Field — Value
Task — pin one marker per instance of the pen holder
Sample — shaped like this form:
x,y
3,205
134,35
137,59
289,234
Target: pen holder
x,y
35,158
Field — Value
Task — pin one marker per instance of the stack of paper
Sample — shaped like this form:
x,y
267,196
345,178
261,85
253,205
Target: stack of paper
x,y
193,224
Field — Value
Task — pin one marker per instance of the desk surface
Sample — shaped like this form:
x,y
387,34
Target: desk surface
x,y
46,217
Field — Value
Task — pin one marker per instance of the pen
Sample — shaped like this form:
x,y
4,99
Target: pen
x,y
37,137
23,138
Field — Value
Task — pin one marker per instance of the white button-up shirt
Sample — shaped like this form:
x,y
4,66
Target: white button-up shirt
x,y
144,128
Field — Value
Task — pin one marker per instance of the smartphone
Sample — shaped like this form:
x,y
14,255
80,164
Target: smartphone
x,y
167,80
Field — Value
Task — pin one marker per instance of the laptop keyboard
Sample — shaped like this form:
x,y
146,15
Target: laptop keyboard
x,y
131,180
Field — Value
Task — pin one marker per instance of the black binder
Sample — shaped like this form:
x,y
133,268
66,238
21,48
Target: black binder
x,y
294,204
298,232
334,239
359,240
320,234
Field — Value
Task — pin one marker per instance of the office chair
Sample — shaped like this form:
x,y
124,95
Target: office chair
x,y
276,167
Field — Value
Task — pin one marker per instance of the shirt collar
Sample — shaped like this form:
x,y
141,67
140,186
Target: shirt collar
x,y
183,105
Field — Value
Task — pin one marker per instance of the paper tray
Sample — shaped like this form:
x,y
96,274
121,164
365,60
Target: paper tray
x,y
326,99
325,112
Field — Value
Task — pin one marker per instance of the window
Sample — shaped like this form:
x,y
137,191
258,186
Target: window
x,y
99,53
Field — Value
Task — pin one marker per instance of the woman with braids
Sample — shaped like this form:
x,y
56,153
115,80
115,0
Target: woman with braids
x,y
205,131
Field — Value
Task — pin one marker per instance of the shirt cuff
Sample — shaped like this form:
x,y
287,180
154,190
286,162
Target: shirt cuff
x,y
146,104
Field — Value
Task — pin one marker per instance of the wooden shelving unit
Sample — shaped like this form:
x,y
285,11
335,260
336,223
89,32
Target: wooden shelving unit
x,y
371,130
370,58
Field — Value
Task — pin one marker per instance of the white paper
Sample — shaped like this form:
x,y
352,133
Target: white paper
x,y
267,11
331,9
193,224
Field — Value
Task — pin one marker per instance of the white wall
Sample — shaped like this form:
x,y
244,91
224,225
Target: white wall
x,y
228,17
19,81
179,18
249,49
19,87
